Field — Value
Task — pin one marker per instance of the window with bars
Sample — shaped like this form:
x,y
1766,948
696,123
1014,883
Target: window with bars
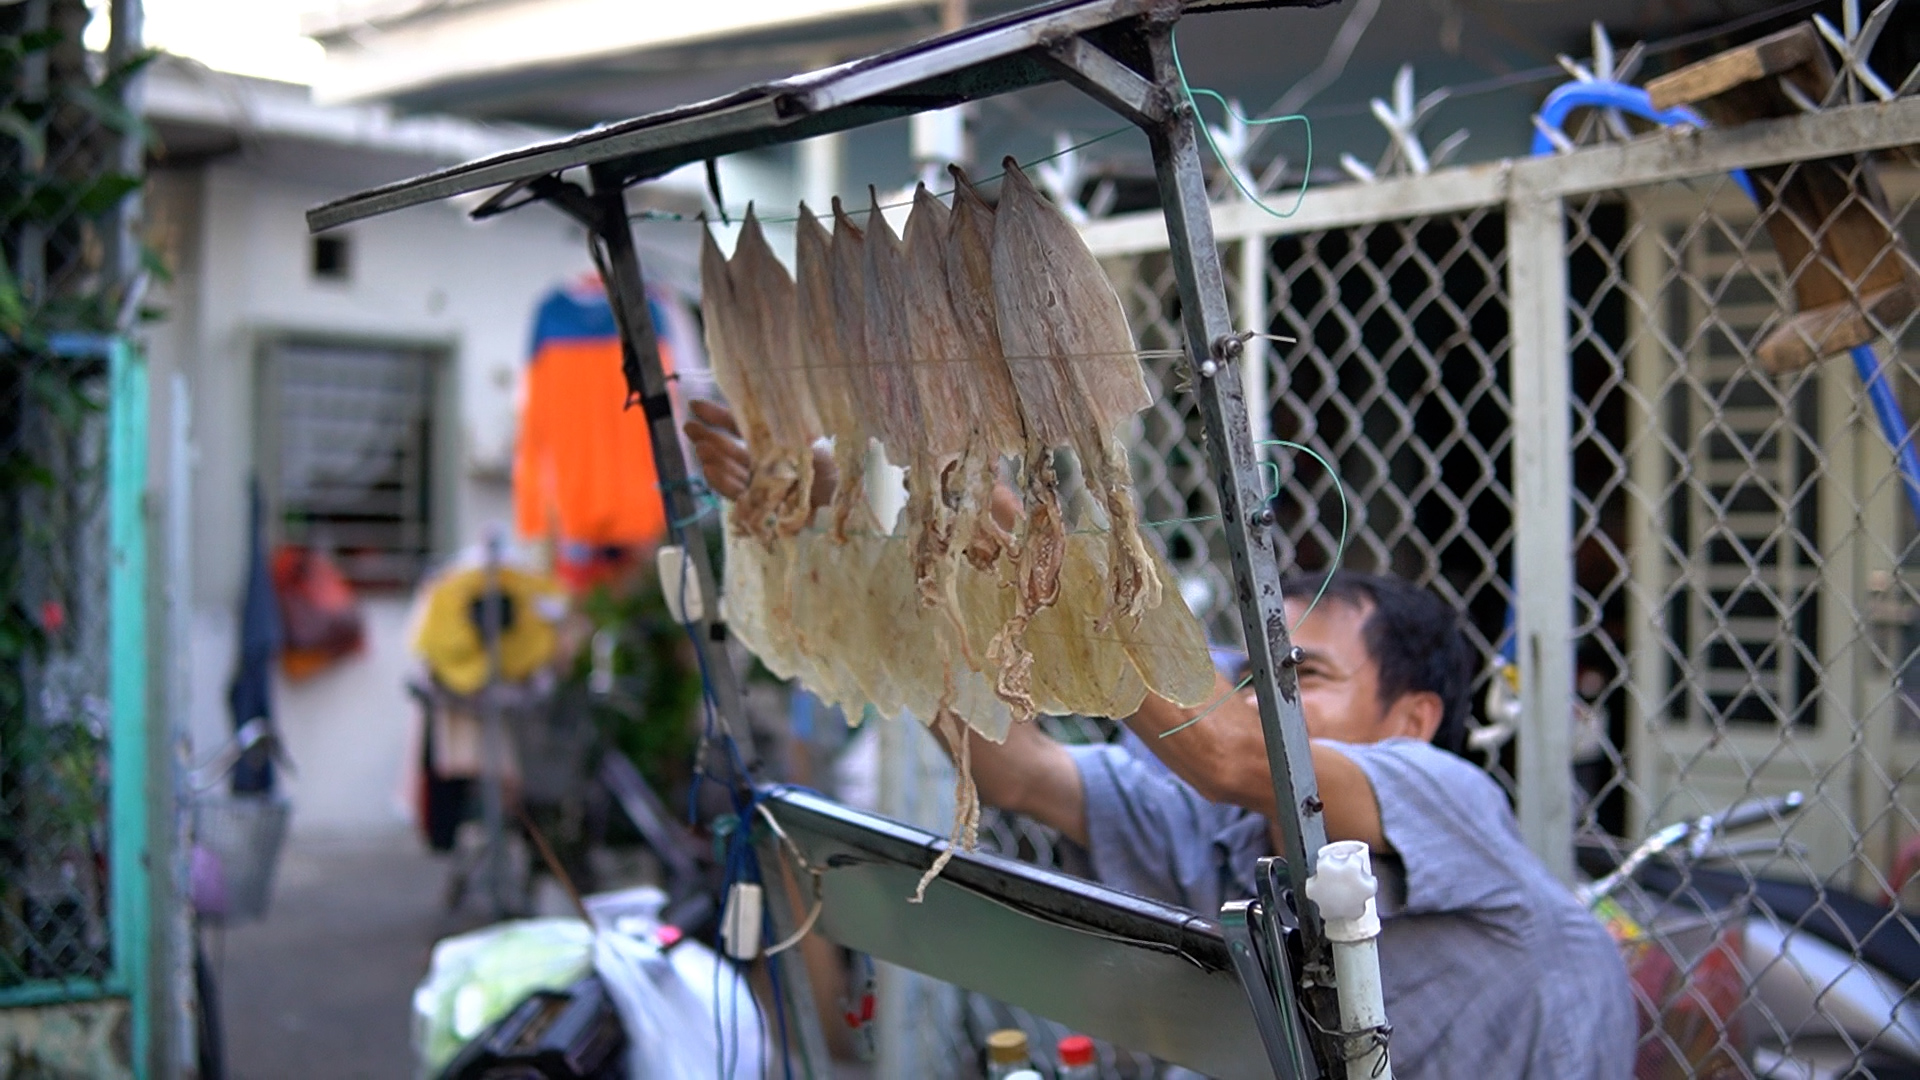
x,y
347,453
1748,620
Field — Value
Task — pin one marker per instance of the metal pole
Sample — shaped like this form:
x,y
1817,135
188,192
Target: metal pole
x,y
129,844
1543,514
492,736
606,217
1253,316
1215,351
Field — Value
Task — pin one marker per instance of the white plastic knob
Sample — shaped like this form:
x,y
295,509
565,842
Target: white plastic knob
x,y
1343,887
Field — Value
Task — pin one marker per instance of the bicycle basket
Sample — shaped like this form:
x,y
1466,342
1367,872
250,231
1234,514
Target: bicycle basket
x,y
238,840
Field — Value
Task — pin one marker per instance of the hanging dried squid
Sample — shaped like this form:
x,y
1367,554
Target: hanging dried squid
x,y
781,433
1000,430
1066,337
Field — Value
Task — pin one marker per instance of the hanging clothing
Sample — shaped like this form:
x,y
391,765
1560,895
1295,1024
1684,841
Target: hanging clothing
x,y
250,694
583,464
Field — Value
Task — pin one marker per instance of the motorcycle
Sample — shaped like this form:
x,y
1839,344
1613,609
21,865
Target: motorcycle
x,y
1739,975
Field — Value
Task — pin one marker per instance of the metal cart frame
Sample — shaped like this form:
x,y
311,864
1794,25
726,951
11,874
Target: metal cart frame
x,y
1119,52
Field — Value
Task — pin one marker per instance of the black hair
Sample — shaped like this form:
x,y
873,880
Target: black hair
x,y
1413,637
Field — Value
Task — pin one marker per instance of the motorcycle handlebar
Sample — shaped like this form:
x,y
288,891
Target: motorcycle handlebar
x,y
1745,815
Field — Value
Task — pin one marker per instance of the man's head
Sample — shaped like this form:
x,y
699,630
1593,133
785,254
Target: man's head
x,y
1383,658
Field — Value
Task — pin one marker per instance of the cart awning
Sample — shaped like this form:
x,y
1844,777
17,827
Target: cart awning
x,y
992,57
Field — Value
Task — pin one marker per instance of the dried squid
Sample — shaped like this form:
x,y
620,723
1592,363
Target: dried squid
x,y
831,314
998,427
897,414
745,603
1071,354
1042,425
782,428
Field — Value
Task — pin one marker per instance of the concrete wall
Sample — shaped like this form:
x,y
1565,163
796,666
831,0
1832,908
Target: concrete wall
x,y
235,232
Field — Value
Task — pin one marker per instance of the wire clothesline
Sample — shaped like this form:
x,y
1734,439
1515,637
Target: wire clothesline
x,y
667,215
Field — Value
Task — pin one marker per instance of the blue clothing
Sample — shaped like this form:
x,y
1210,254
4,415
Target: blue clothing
x,y
1491,968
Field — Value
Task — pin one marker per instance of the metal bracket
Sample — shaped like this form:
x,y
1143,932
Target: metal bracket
x,y
1251,931
1109,81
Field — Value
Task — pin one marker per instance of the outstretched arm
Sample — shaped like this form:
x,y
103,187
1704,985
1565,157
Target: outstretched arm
x,y
1028,774
1224,757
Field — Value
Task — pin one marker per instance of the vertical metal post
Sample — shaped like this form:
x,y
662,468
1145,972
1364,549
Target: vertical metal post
x,y
493,735
647,383
1248,524
646,378
1542,390
173,915
127,686
1253,316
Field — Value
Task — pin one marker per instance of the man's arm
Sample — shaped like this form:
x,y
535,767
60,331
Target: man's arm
x,y
1028,774
1224,757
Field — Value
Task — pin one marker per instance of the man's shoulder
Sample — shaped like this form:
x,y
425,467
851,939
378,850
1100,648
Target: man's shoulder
x,y
1397,761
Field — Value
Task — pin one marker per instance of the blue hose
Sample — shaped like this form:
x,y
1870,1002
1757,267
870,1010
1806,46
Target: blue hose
x,y
1613,95
1893,423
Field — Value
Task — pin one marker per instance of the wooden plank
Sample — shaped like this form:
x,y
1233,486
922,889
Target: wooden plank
x,y
1827,217
1775,54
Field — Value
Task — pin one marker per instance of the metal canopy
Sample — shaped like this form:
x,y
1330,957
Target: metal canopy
x,y
989,58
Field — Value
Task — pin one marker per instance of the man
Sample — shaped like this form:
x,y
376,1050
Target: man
x,y
1491,969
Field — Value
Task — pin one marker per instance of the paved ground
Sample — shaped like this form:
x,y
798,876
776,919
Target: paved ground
x,y
322,987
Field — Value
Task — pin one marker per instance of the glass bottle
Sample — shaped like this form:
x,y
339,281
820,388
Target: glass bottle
x,y
1075,1053
1007,1053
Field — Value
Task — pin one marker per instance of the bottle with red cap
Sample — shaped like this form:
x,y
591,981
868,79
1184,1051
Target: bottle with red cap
x,y
1076,1059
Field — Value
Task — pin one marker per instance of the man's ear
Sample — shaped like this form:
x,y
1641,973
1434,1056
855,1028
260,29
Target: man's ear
x,y
1416,715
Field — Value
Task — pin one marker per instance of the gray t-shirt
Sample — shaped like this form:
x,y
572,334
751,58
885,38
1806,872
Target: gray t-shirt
x,y
1491,968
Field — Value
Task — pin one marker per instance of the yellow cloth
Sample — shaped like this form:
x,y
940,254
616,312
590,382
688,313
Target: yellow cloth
x,y
450,643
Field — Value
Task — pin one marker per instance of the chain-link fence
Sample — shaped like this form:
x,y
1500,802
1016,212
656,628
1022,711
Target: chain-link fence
x,y
68,595
1744,505
1714,405
53,690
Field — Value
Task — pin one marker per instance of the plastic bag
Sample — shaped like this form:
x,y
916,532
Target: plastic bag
x,y
319,614
475,979
688,1014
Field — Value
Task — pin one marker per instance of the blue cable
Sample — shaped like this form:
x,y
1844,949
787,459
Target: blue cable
x,y
1608,94
1893,423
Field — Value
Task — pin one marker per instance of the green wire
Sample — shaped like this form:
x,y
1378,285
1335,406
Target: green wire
x,y
1207,132
1339,552
1340,548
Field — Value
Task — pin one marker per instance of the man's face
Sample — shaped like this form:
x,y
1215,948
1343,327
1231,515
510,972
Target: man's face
x,y
1339,681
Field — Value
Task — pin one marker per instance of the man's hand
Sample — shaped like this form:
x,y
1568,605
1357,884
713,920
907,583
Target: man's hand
x,y
716,442
724,460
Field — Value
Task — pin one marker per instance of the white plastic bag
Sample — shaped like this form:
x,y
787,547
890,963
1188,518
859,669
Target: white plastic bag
x,y
476,978
688,1014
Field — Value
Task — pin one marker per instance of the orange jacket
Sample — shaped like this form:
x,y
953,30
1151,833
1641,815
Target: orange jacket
x,y
584,462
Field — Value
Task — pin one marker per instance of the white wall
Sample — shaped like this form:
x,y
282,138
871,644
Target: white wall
x,y
425,275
